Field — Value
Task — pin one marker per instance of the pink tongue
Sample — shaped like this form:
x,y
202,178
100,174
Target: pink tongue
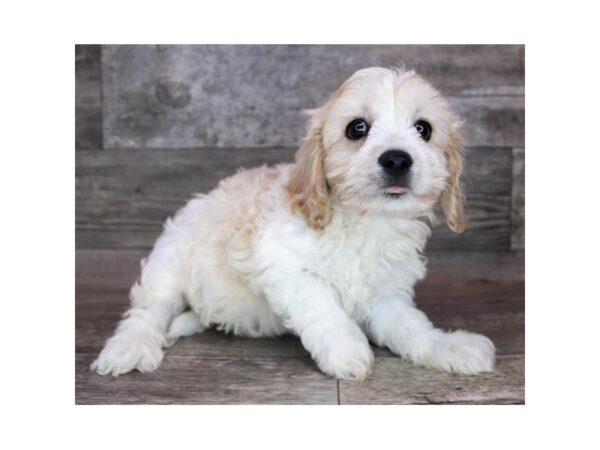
x,y
395,190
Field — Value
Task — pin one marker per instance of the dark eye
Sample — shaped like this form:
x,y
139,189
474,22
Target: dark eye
x,y
357,129
424,129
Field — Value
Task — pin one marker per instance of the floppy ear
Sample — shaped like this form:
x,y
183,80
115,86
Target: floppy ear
x,y
307,187
452,199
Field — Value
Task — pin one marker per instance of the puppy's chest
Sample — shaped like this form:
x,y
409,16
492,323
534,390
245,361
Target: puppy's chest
x,y
358,262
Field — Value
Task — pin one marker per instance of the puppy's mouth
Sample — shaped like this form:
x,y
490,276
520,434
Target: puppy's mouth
x,y
396,186
395,191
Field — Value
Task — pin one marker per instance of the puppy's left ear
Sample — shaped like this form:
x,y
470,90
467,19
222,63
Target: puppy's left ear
x,y
453,199
308,189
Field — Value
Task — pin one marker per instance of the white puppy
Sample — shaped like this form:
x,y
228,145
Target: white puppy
x,y
328,248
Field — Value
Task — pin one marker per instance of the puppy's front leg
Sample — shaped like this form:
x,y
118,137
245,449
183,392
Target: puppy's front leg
x,y
309,308
400,326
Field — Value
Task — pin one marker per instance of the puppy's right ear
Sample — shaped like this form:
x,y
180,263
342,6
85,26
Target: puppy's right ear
x,y
307,187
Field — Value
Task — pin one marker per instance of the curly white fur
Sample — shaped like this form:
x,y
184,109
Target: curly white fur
x,y
314,248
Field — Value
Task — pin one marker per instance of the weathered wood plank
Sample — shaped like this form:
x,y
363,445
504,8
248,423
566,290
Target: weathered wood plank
x,y
518,201
88,97
487,229
109,269
187,379
477,292
481,266
491,121
233,96
98,313
124,196
396,382
243,355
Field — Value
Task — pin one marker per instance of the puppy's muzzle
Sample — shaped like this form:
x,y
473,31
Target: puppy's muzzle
x,y
396,166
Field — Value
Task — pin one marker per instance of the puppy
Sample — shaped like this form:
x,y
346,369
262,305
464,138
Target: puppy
x,y
328,248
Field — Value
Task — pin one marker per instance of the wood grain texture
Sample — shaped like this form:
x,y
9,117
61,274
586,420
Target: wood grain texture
x,y
205,380
399,383
491,120
498,314
518,201
124,196
480,292
109,269
88,97
252,96
475,291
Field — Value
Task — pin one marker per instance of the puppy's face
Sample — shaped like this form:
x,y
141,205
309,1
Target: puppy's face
x,y
385,142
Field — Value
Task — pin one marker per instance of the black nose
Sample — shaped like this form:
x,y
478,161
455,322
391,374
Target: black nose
x,y
395,162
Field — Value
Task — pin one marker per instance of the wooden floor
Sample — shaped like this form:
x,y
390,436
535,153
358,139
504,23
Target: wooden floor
x,y
477,292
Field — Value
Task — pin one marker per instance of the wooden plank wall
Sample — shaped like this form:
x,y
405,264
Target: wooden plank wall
x,y
155,124
88,98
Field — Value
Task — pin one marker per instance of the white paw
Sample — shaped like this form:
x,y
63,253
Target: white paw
x,y
462,352
128,351
343,352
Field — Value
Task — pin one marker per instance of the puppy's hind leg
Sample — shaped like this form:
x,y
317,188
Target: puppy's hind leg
x,y
185,324
156,298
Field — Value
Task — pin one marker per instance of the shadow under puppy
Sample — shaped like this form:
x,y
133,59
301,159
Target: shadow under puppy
x,y
328,248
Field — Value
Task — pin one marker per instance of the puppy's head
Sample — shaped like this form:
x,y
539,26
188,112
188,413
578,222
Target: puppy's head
x,y
386,141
